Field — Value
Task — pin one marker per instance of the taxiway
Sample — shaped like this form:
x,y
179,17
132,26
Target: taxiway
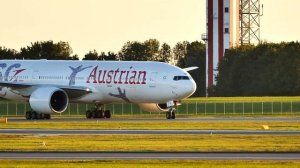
x,y
143,132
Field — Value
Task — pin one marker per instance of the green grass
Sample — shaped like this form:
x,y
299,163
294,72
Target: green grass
x,y
150,164
150,143
168,124
242,99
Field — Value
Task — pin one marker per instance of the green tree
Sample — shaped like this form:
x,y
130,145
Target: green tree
x,y
165,53
179,51
91,55
195,55
152,49
268,69
134,51
102,56
140,51
47,50
64,50
8,53
111,56
74,57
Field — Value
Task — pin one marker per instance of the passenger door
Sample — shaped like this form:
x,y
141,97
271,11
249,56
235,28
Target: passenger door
x,y
153,79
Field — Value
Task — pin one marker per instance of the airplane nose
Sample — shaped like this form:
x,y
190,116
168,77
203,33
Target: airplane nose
x,y
183,87
188,89
192,87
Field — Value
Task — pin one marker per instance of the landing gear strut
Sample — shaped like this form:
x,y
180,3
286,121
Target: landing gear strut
x,y
98,112
171,114
32,115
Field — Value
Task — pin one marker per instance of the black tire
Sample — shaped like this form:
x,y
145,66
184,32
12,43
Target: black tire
x,y
101,114
34,115
173,113
93,114
98,114
47,116
168,115
107,114
28,115
173,116
88,114
41,116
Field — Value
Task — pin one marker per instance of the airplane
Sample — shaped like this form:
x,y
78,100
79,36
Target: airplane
x,y
50,85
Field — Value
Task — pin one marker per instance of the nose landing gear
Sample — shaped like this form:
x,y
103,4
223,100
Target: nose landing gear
x,y
171,114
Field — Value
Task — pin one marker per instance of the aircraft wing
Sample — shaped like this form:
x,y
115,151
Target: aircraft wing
x,y
72,91
15,85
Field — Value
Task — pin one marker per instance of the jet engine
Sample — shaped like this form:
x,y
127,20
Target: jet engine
x,y
49,100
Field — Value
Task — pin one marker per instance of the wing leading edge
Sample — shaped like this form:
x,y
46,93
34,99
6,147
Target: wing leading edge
x,y
72,91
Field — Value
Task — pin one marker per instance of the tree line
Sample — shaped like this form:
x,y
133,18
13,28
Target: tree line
x,y
268,69
184,53
41,50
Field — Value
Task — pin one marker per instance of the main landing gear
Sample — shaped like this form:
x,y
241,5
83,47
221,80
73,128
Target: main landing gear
x,y
32,115
171,113
98,112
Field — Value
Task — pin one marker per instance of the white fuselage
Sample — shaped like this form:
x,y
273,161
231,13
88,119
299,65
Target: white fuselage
x,y
108,81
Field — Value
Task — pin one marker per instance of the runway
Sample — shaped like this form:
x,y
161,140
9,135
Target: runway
x,y
149,155
295,119
72,155
143,132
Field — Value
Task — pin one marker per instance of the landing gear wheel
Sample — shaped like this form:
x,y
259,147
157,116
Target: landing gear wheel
x,y
88,114
41,116
107,114
173,116
94,114
28,115
34,115
47,116
168,115
101,114
98,114
173,113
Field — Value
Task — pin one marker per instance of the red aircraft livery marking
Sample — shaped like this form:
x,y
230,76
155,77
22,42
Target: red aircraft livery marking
x,y
131,77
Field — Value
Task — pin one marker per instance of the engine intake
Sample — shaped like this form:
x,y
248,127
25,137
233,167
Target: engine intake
x,y
49,100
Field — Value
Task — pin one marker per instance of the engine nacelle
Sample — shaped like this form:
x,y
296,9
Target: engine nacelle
x,y
49,100
152,107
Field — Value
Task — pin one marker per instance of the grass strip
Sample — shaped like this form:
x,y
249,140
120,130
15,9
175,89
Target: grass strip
x,y
242,99
150,164
168,124
255,143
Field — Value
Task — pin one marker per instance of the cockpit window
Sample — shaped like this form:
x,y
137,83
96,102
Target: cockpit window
x,y
177,78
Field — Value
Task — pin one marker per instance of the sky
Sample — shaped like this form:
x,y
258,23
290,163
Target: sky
x,y
105,25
